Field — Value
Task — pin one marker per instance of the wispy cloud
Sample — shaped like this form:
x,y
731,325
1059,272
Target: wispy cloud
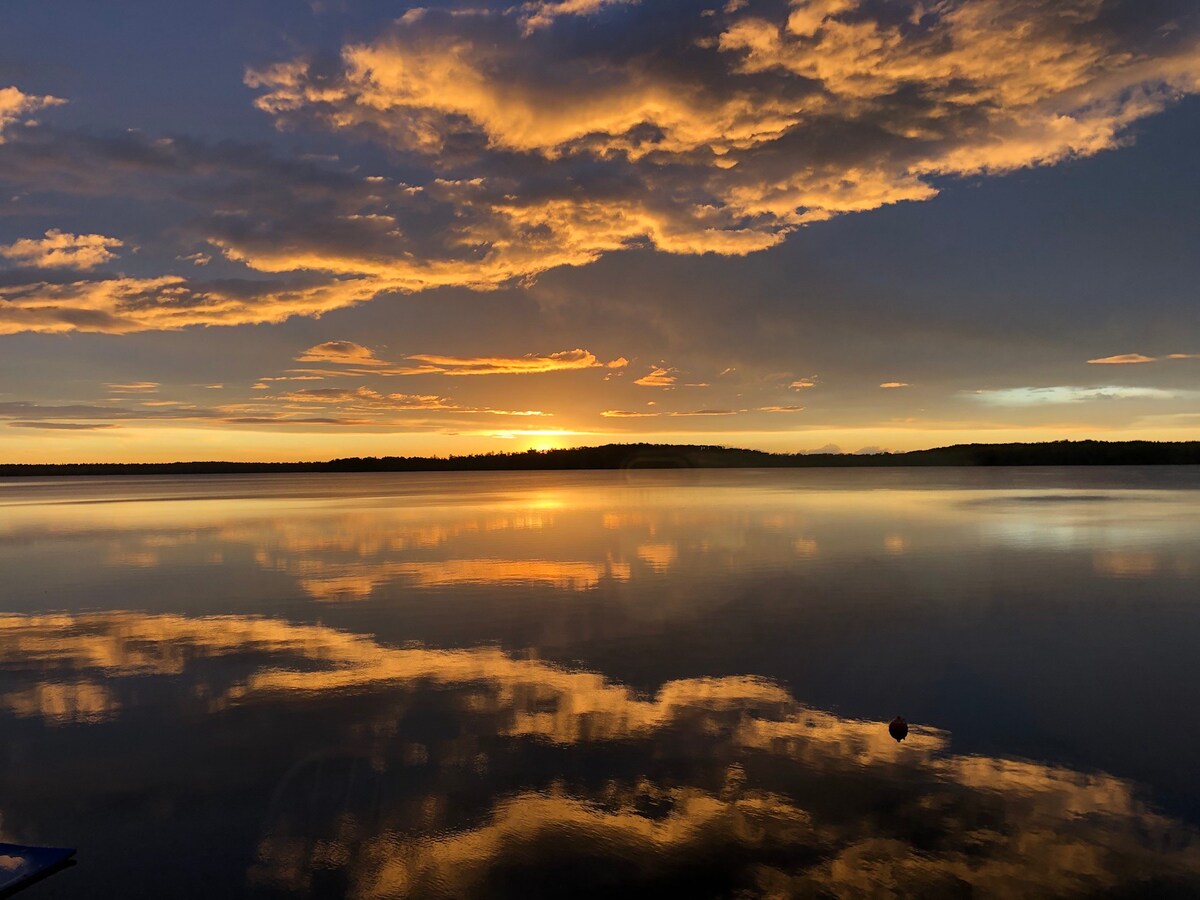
x,y
64,426
24,410
659,376
1034,396
364,399
894,384
135,387
351,354
517,365
345,352
125,305
542,13
1125,359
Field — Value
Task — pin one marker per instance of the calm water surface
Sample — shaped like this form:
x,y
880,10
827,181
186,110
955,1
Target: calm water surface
x,y
605,684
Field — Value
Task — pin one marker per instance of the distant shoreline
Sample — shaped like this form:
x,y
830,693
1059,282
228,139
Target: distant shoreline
x,y
670,456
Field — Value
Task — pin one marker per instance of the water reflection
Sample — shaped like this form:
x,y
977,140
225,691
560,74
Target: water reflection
x,y
578,535
544,684
474,772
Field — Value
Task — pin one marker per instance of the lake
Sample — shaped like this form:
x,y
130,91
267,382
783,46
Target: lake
x,y
641,683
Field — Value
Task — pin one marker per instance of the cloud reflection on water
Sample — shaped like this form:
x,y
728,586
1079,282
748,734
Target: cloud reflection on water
x,y
558,780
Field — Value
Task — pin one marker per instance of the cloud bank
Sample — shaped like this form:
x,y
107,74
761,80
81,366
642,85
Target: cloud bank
x,y
522,139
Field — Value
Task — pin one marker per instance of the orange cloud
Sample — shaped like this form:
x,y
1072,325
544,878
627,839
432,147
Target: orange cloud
x,y
60,250
989,86
125,305
1123,359
719,141
541,13
64,426
1048,78
351,354
894,384
365,398
341,352
136,387
531,363
659,377
1136,358
15,105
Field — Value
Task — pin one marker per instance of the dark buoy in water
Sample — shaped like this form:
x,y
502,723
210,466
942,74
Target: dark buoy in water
x,y
898,728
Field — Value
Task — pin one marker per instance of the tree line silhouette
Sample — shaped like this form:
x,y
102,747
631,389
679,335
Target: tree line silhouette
x,y
671,456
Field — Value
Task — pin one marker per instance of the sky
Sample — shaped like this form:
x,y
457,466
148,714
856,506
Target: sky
x,y
274,229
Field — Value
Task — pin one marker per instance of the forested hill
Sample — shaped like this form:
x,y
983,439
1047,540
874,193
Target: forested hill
x,y
674,456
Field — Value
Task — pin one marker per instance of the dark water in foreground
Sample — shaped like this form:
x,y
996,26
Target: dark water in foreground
x,y
605,684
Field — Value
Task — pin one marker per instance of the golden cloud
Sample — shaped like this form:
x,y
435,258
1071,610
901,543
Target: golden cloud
x,y
718,131
411,86
659,376
531,363
367,399
959,88
61,250
542,13
1051,82
346,352
125,305
364,399
15,105
351,354
1125,359
134,387
63,426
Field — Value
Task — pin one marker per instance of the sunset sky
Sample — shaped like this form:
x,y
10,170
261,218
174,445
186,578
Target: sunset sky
x,y
273,229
